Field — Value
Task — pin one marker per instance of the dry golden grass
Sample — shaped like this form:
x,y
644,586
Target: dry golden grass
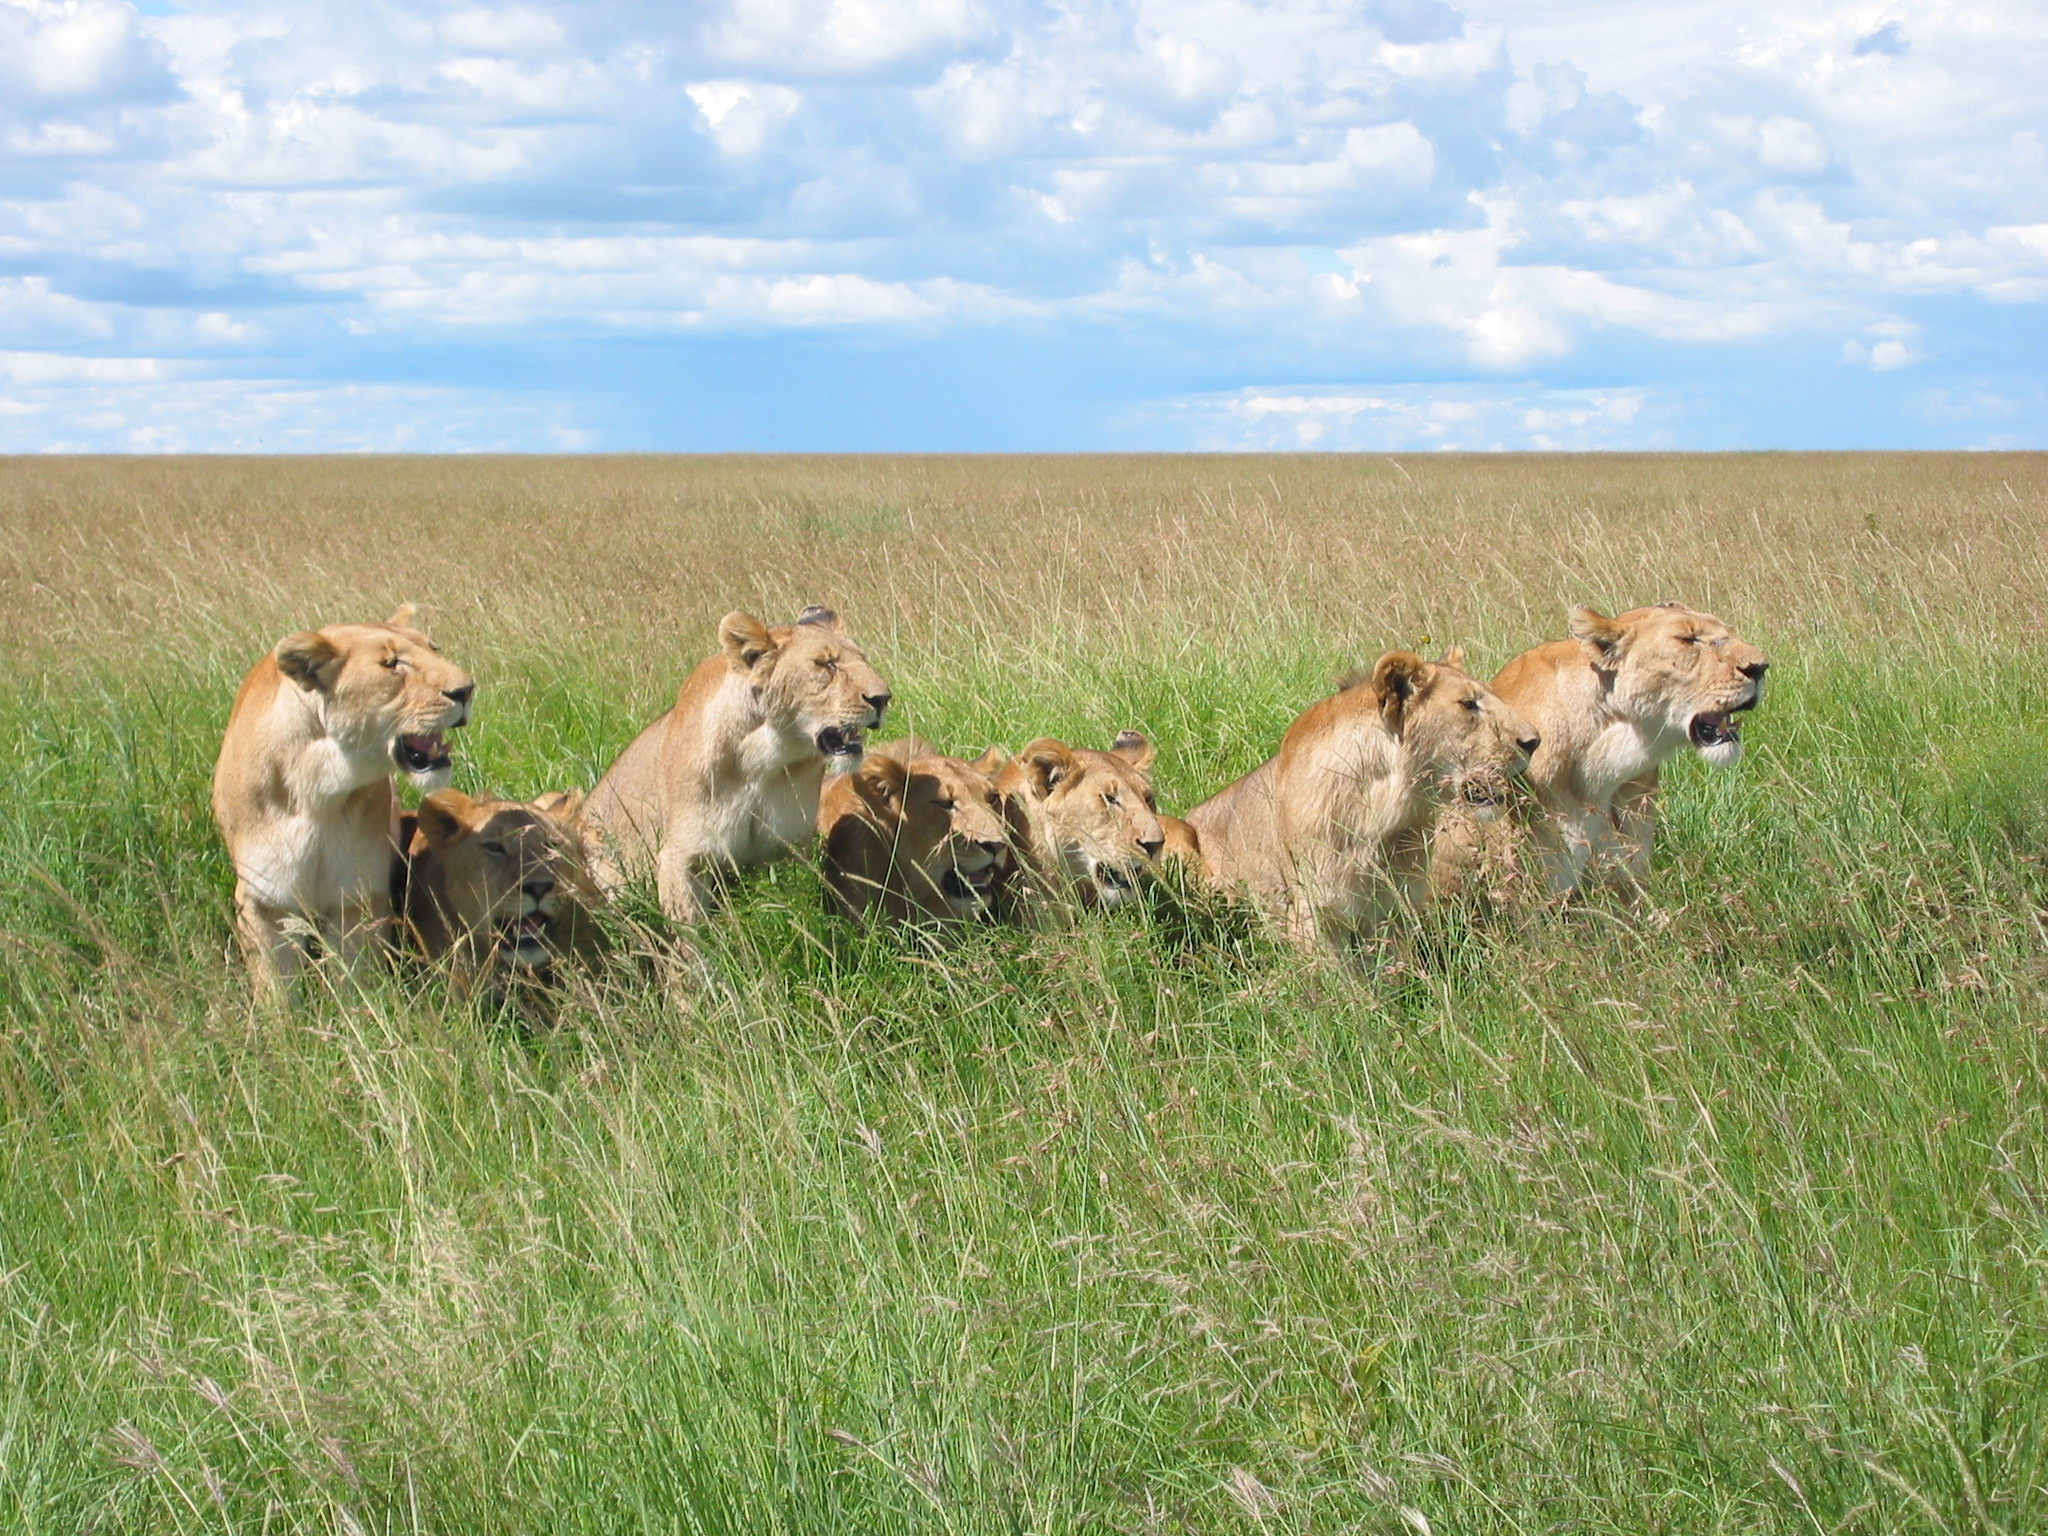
x,y
1360,550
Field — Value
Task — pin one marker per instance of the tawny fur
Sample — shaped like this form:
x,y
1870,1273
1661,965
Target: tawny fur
x,y
499,890
914,836
302,788
1615,702
728,779
1084,825
1332,833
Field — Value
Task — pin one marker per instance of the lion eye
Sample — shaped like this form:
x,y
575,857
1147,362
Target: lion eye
x,y
1109,797
495,850
944,805
394,662
1689,639
1471,704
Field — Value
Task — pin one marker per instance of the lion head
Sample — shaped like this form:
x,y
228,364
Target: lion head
x,y
1092,813
1455,731
383,694
1681,674
811,680
500,881
940,826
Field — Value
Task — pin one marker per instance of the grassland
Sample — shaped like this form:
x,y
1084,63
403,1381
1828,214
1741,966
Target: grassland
x,y
1726,1214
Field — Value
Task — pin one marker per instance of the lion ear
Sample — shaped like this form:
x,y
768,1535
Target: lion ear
x,y
1134,749
444,817
559,804
1396,678
309,659
746,641
1593,628
823,618
879,781
1454,657
993,760
1046,762
405,616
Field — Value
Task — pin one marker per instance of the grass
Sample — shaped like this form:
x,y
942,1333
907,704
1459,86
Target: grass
x,y
1729,1214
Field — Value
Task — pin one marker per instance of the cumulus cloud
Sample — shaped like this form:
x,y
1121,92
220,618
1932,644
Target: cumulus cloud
x,y
1490,189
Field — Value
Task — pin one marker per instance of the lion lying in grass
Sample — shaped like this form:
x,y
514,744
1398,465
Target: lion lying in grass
x,y
1332,833
498,889
728,779
1084,826
914,836
302,787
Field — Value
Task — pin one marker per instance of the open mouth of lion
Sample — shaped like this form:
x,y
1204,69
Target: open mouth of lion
x,y
1114,882
969,885
526,936
422,753
1482,796
1714,728
840,741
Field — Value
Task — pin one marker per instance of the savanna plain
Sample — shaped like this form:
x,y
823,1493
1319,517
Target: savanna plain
x,y
1724,1209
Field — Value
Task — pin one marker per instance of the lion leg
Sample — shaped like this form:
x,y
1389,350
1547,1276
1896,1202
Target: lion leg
x,y
1635,826
274,955
686,894
1457,856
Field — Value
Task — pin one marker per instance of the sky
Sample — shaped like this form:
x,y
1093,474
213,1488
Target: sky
x,y
1381,225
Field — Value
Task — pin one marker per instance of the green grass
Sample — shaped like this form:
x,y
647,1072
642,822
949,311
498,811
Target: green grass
x,y
1725,1215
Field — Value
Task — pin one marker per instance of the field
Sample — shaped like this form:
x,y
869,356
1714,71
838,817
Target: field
x,y
1727,1213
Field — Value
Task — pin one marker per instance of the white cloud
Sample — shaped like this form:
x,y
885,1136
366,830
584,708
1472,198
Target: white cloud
x,y
1505,183
1385,418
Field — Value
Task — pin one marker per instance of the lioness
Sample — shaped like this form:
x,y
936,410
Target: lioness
x,y
302,788
1333,831
1183,842
912,835
1083,824
498,888
728,779
1614,702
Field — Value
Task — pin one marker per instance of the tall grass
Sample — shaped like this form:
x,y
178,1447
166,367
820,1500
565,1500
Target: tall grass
x,y
1722,1214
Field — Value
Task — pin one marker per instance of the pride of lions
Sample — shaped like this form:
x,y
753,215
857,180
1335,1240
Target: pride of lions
x,y
1383,796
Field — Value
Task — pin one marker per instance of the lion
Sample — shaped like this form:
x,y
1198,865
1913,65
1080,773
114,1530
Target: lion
x,y
302,789
1614,702
914,836
1332,833
497,888
728,779
1183,842
1084,825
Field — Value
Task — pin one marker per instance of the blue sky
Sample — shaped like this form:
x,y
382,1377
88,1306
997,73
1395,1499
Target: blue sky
x,y
976,224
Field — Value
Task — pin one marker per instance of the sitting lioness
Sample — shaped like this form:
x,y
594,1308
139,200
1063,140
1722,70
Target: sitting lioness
x,y
1617,700
1333,832
914,836
1083,824
497,888
302,789
728,779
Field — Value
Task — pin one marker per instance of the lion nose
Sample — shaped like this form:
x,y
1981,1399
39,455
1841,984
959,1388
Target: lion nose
x,y
1529,744
459,695
878,702
538,888
1755,671
1150,846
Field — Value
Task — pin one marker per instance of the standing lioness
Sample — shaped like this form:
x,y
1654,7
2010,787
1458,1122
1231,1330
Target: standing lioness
x,y
1615,702
1333,832
729,778
302,789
